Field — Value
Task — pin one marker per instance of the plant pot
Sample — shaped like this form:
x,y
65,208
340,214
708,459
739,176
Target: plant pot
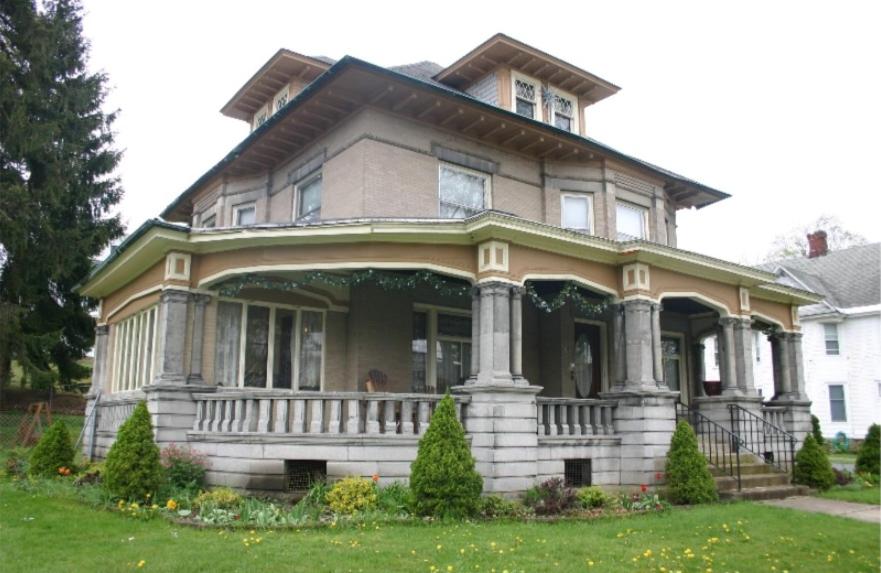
x,y
713,387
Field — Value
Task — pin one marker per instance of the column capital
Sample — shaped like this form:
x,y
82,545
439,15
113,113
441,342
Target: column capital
x,y
201,298
637,304
102,329
728,320
518,291
174,295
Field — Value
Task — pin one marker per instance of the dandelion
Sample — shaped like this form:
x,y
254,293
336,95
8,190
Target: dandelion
x,y
171,504
141,563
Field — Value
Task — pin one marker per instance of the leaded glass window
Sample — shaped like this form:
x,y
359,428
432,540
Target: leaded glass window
x,y
525,98
563,112
462,193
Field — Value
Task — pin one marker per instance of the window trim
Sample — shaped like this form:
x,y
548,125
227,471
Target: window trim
x,y
539,114
591,222
644,211
432,337
264,113
130,350
576,111
487,185
843,401
282,93
236,209
270,354
311,178
827,339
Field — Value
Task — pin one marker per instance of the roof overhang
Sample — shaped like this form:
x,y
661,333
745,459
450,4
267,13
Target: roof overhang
x,y
157,238
502,50
352,84
278,71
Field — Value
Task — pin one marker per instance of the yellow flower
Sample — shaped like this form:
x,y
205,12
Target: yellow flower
x,y
141,563
171,504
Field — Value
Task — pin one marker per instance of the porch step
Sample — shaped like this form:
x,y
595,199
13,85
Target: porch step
x,y
751,467
764,492
749,481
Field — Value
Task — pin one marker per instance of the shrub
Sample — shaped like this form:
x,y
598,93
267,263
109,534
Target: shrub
x,y
443,479
812,467
842,477
219,498
869,456
395,498
133,470
351,495
550,497
52,453
688,478
184,469
17,462
815,430
495,506
90,475
592,497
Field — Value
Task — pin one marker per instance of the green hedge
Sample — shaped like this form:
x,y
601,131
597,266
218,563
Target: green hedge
x,y
53,451
133,470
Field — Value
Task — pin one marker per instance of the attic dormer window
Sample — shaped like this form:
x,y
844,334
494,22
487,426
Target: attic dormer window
x,y
281,99
526,97
260,117
563,112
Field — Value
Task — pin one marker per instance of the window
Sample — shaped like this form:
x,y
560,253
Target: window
x,y
631,221
830,333
268,346
577,212
209,221
672,360
837,410
526,92
462,192
563,112
244,214
440,349
260,117
309,200
134,350
281,99
577,472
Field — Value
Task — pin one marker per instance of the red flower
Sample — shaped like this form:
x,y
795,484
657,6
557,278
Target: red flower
x,y
659,476
375,478
643,488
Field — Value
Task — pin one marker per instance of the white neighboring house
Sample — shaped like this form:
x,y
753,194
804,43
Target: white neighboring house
x,y
842,337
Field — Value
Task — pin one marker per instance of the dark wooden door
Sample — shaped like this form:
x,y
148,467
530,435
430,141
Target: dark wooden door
x,y
587,363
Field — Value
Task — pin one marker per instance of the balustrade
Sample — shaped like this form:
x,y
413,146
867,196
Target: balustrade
x,y
575,417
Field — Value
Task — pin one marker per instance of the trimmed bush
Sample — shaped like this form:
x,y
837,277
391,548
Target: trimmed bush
x,y
132,467
443,479
816,431
351,495
869,455
688,478
54,451
550,497
592,497
812,467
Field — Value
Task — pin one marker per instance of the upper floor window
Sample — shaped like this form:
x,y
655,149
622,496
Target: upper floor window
x,y
209,221
244,214
577,212
526,96
564,111
260,117
281,99
830,333
837,409
309,199
462,192
632,221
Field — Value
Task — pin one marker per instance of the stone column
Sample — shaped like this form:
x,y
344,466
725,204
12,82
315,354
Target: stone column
x,y
785,355
743,356
495,334
172,337
657,347
200,301
775,365
475,335
619,356
517,333
698,368
727,361
789,383
638,345
797,374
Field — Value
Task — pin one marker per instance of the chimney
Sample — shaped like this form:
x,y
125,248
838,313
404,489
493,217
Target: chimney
x,y
817,244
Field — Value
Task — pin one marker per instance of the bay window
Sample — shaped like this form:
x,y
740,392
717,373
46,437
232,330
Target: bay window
x,y
576,211
632,221
441,349
269,346
462,192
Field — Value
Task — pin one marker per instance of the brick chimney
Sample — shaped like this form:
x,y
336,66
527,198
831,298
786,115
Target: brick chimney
x,y
817,244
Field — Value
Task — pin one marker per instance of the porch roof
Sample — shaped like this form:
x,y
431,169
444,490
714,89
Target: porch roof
x,y
153,240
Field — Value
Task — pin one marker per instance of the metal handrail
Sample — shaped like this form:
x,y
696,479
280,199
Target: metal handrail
x,y
770,443
718,444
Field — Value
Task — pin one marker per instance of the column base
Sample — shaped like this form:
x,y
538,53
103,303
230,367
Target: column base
x,y
195,379
716,407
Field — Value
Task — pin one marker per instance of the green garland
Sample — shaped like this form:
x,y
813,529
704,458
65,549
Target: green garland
x,y
569,293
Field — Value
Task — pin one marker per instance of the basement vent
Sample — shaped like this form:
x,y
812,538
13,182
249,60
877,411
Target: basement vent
x,y
299,475
576,473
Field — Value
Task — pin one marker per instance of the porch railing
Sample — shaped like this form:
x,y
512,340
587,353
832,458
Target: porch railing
x,y
774,415
317,413
720,446
575,417
770,442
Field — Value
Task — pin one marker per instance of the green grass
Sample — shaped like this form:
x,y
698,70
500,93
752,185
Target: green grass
x,y
9,423
854,493
56,534
843,458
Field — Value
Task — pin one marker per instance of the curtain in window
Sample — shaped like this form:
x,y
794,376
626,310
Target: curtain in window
x,y
576,213
229,330
630,222
311,343
309,208
282,368
461,193
836,403
453,359
256,346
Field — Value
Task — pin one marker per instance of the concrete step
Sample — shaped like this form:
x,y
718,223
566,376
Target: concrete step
x,y
750,481
746,469
764,492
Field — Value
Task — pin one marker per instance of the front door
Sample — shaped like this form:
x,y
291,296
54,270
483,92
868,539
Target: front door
x,y
587,366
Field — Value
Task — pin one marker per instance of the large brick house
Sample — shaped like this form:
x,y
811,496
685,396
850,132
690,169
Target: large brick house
x,y
384,235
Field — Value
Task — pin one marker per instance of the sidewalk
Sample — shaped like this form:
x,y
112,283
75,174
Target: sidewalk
x,y
859,511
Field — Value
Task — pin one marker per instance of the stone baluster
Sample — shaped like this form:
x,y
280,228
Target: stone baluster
x,y
353,416
564,419
214,415
372,426
552,420
200,415
298,417
316,415
423,416
281,416
609,424
540,416
333,424
407,417
237,418
265,415
250,422
389,425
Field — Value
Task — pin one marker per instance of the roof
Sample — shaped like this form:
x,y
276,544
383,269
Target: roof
x,y
848,278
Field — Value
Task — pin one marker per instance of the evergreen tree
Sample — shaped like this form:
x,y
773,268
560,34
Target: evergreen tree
x,y
133,469
869,456
443,479
53,451
56,187
812,467
689,480
816,431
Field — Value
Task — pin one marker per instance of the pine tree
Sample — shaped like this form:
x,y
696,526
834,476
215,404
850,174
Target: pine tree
x,y
812,467
689,480
53,451
869,456
133,469
56,187
443,479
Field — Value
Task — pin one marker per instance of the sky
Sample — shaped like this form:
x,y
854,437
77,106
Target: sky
x,y
775,103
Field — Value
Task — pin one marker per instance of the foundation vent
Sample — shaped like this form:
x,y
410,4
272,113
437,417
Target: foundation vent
x,y
299,475
577,472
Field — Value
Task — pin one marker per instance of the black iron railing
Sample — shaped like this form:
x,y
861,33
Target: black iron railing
x,y
771,443
720,446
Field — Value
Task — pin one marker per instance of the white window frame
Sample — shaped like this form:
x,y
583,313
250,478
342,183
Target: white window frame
x,y
311,178
270,354
536,84
576,111
260,117
590,211
827,339
843,401
432,337
644,211
487,183
204,220
283,93
244,207
133,365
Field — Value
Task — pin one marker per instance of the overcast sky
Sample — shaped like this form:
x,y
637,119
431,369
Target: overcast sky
x,y
775,103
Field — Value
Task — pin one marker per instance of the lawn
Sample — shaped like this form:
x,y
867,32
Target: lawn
x,y
854,493
56,534
839,458
10,420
